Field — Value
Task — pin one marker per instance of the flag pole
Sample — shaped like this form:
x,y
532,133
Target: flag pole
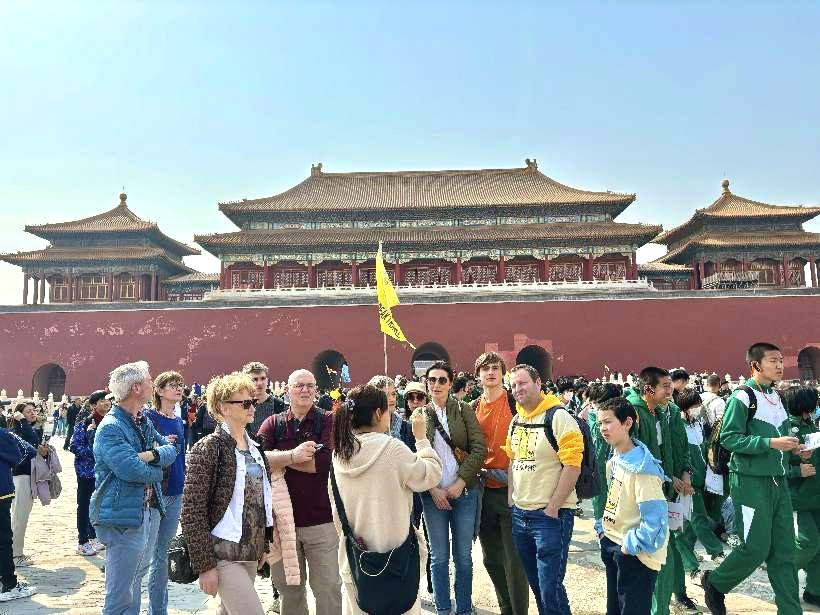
x,y
384,335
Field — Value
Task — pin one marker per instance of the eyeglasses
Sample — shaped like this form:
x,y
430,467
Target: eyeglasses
x,y
302,386
442,380
416,396
246,403
176,385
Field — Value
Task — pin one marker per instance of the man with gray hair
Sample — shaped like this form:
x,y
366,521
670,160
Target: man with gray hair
x,y
127,503
300,441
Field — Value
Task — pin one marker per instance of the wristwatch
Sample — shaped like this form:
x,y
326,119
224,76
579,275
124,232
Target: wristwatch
x,y
156,455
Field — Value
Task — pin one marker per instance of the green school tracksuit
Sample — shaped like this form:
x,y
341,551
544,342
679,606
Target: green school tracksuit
x,y
699,527
805,494
760,494
664,433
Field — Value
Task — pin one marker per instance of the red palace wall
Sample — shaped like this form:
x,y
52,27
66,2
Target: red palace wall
x,y
581,336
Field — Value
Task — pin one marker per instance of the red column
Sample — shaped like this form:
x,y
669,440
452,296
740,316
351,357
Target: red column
x,y
35,299
43,288
222,284
397,277
25,289
354,272
501,274
634,269
70,281
458,270
588,267
110,279
266,276
785,272
116,292
545,269
813,272
700,275
153,286
311,275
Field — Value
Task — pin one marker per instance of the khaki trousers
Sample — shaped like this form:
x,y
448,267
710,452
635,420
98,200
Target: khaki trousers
x,y
236,589
317,547
20,511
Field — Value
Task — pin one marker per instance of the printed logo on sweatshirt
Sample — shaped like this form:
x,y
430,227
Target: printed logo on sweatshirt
x,y
613,498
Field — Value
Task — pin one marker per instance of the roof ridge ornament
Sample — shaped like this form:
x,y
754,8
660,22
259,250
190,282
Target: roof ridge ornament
x,y
531,164
123,197
316,169
725,184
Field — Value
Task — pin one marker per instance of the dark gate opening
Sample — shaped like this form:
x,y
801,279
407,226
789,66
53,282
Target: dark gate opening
x,y
327,368
49,378
537,357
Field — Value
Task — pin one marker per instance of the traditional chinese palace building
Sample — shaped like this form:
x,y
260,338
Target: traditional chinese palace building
x,y
437,227
114,256
739,243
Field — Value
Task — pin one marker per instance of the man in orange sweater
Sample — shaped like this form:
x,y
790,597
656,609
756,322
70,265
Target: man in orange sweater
x,y
494,411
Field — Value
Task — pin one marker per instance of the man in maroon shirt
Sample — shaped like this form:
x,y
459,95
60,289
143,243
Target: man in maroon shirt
x,y
300,441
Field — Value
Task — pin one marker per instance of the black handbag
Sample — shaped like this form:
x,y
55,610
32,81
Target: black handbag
x,y
386,583
179,561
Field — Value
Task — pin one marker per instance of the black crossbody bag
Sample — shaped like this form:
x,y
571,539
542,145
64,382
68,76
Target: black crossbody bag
x,y
386,583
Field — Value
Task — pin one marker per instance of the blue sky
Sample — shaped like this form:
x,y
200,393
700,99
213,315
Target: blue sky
x,y
192,103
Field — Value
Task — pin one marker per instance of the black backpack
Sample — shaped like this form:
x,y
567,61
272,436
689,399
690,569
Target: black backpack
x,y
719,457
588,485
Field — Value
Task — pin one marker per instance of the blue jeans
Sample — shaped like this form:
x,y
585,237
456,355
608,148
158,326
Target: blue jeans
x,y
127,557
543,544
462,521
158,575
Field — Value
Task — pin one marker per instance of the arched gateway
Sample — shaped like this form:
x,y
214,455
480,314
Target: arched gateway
x,y
808,362
537,357
327,368
427,354
49,378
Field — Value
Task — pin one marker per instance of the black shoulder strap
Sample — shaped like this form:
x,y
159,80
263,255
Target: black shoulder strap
x,y
440,429
318,423
340,508
511,402
280,421
548,427
474,403
752,400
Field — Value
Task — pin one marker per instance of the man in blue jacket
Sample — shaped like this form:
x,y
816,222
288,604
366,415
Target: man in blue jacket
x,y
127,503
13,451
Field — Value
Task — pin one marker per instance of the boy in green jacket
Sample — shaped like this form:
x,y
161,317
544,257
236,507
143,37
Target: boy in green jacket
x,y
804,483
757,481
661,429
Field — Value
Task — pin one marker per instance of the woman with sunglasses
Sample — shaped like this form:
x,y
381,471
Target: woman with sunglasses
x,y
227,500
451,506
168,387
415,396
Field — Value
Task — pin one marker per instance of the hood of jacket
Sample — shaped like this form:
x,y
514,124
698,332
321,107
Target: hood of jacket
x,y
640,461
633,396
548,401
372,446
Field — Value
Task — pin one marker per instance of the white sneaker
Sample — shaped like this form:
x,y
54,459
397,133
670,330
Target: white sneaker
x,y
98,546
276,605
21,561
22,590
86,549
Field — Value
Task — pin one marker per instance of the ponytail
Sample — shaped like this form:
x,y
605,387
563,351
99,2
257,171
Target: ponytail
x,y
358,411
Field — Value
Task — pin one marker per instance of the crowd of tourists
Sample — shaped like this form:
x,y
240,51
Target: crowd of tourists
x,y
366,493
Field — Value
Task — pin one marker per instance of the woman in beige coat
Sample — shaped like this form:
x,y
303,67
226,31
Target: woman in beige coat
x,y
377,475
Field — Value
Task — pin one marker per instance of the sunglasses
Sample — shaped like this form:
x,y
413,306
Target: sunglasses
x,y
246,403
416,396
442,380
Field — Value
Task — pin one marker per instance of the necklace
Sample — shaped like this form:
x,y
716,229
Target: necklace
x,y
773,402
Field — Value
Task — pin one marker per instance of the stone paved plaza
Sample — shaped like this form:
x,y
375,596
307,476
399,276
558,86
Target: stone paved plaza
x,y
70,583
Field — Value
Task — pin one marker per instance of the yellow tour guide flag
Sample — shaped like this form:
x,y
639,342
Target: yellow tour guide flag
x,y
387,299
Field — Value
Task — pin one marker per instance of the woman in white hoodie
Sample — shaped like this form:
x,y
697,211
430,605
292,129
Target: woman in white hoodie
x,y
377,475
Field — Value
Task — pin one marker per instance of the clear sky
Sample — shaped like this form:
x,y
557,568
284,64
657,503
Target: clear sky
x,y
190,103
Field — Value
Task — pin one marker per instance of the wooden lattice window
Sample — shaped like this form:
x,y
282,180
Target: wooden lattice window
x,y
288,278
93,287
128,286
481,274
566,272
60,290
427,276
797,277
522,273
368,276
247,278
334,277
609,271
766,271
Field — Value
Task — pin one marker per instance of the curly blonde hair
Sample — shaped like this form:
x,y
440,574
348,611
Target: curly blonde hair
x,y
221,388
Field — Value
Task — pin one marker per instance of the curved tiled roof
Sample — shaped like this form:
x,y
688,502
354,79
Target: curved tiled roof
x,y
741,240
285,240
416,190
62,255
659,267
119,219
197,277
730,205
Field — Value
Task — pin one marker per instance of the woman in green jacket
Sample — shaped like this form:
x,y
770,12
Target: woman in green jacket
x,y
451,506
804,484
